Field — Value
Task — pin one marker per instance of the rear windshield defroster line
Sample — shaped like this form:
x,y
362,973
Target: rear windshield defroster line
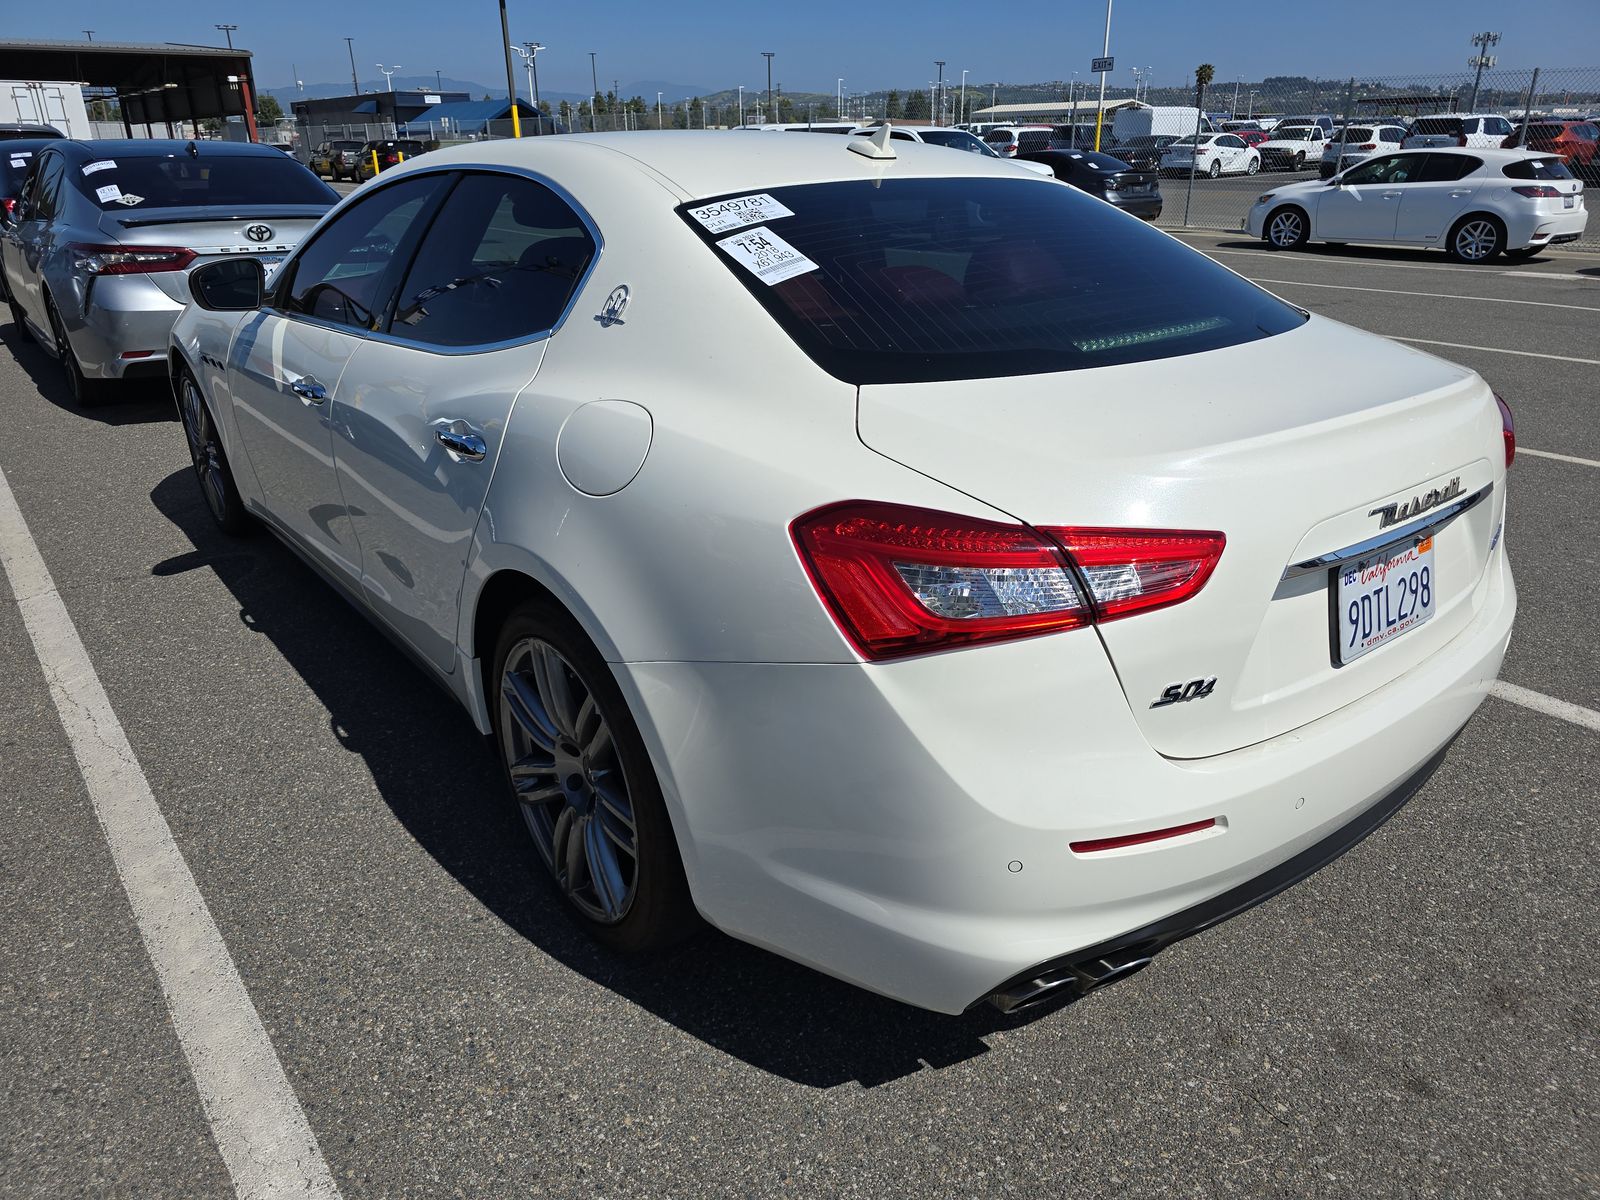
x,y
917,280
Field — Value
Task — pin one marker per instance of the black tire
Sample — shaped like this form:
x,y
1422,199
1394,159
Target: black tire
x,y
86,392
1286,228
1216,169
568,792
1523,252
1299,160
1252,166
211,469
1476,238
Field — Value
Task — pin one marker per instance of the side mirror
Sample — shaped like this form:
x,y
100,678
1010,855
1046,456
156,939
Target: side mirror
x,y
232,285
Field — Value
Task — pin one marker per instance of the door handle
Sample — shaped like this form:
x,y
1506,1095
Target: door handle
x,y
308,389
1456,195
458,438
1392,195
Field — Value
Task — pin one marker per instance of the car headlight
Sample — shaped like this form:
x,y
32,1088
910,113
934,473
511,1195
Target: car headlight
x,y
1265,198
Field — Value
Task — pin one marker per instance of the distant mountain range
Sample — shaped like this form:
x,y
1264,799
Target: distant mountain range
x,y
671,92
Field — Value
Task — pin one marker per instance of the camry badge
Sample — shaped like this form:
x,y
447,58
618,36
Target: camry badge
x,y
259,233
611,311
1404,510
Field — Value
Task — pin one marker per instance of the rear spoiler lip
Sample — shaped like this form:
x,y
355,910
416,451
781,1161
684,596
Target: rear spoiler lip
x,y
305,212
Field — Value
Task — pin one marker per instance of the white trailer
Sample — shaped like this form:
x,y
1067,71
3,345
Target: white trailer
x,y
1155,120
45,102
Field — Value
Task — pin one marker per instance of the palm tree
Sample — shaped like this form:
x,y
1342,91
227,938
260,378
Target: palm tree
x,y
1203,75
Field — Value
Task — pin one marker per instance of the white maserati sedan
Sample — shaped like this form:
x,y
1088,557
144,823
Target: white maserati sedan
x,y
1475,204
912,566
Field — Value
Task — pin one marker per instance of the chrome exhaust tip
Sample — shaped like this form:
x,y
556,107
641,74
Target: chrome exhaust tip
x,y
1072,979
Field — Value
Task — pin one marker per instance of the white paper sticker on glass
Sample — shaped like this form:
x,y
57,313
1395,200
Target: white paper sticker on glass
x,y
104,164
738,212
108,194
766,255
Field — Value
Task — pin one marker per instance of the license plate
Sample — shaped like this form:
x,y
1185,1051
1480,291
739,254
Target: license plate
x,y
1384,596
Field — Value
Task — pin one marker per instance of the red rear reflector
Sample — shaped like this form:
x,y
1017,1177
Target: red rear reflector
x,y
1508,429
137,353
1367,146
1139,839
1538,191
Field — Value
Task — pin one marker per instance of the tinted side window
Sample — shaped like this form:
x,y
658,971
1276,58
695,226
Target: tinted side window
x,y
340,276
1391,135
1389,168
501,262
45,202
1447,168
1537,168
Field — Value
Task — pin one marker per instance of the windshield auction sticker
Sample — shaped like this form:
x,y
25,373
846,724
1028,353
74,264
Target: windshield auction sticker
x,y
741,211
766,255
109,194
104,164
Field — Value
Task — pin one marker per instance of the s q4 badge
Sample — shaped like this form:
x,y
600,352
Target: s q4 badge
x,y
1195,689
611,311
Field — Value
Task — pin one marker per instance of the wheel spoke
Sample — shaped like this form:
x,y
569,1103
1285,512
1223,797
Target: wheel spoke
x,y
561,842
600,747
533,777
527,709
609,886
550,676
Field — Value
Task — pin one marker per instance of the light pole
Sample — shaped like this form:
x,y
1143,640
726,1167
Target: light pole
x,y
961,108
594,82
1480,60
355,84
939,116
1233,109
767,54
838,100
1249,116
741,106
388,74
227,32
89,33
659,125
511,78
1100,112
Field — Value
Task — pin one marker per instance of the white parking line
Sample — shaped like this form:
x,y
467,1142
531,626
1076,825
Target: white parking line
x,y
1567,458
1395,337
1289,259
1543,275
259,1127
1345,287
1548,705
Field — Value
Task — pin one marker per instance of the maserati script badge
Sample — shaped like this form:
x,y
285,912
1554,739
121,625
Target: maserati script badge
x,y
1404,510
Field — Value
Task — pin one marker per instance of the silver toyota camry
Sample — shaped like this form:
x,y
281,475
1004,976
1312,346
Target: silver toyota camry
x,y
97,250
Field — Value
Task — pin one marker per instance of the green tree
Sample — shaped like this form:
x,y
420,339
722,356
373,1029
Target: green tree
x,y
891,106
1203,75
785,109
268,110
916,107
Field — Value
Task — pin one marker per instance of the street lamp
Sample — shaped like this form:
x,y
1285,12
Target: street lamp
x,y
1481,60
838,99
939,116
741,106
767,54
227,32
355,84
594,82
961,108
659,124
388,74
529,53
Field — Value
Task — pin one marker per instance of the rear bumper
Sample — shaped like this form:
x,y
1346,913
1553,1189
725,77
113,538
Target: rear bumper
x,y
121,315
1146,208
1553,229
907,826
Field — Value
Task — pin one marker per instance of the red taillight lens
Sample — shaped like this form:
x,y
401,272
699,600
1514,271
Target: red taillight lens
x,y
1508,429
129,260
390,158
1539,191
8,205
909,580
1135,570
905,581
1461,139
1367,146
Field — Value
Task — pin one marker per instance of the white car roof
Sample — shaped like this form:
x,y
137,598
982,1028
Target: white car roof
x,y
712,163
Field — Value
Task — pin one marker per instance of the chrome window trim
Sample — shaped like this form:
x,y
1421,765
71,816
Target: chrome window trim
x,y
1425,526
482,347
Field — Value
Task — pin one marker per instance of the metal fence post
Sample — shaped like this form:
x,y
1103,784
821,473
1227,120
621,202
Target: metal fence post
x,y
1194,155
1349,101
1527,109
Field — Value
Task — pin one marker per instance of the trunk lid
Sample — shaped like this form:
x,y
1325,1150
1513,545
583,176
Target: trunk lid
x,y
212,233
1289,466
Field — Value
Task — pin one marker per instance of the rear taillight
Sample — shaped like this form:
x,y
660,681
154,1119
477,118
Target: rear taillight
x,y
1461,139
390,158
129,260
1367,146
1537,191
902,581
1508,428
8,204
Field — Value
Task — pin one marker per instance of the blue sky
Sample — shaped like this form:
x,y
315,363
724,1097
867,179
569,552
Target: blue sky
x,y
720,45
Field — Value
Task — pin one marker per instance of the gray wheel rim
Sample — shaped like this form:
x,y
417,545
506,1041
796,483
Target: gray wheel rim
x,y
203,447
568,780
1476,240
1284,229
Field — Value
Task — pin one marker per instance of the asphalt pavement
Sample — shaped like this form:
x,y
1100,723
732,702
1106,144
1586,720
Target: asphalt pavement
x,y
1418,1019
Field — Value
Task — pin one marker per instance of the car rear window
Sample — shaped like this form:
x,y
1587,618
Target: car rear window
x,y
956,140
1449,125
1537,168
911,280
192,181
13,170
1545,132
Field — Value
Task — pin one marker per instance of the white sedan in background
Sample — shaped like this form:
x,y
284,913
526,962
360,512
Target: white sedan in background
x,y
908,563
1474,204
1212,154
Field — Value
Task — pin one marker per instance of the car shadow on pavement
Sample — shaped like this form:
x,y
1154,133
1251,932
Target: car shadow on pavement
x,y
136,402
446,790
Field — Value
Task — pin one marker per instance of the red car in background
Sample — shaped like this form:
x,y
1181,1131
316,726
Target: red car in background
x,y
1578,142
1251,137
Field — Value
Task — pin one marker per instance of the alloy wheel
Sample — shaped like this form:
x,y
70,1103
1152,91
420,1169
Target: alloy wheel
x,y
204,448
569,781
1284,229
1477,240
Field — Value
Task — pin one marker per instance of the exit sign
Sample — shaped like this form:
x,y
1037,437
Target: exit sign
x,y
1102,66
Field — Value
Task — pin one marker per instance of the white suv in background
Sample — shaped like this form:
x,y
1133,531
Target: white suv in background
x,y
1355,143
1474,131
